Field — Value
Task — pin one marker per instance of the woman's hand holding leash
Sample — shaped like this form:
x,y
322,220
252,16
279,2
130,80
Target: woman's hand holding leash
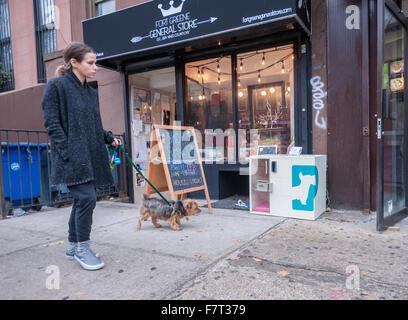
x,y
116,142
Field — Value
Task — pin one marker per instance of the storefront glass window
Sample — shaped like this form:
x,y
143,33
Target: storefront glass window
x,y
265,103
265,99
209,107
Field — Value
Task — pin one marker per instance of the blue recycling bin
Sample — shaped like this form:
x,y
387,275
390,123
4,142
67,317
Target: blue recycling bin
x,y
21,173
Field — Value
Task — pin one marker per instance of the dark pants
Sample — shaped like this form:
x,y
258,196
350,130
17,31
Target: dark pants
x,y
80,222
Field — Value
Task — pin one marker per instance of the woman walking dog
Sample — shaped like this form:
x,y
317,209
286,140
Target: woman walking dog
x,y
79,157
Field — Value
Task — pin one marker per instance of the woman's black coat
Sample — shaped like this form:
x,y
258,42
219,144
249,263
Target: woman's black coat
x,y
73,122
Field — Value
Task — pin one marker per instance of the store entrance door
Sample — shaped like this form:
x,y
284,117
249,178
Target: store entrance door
x,y
392,126
152,102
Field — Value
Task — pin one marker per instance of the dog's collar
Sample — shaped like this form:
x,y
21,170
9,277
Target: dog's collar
x,y
176,211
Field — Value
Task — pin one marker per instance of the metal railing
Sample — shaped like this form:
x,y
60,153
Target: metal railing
x,y
25,174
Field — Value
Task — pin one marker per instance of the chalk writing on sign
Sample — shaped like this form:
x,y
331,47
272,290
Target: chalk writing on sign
x,y
181,159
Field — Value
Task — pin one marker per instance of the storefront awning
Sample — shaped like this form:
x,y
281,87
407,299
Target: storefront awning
x,y
163,24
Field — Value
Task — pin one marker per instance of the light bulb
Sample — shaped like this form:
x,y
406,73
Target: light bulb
x,y
263,92
283,67
241,66
272,90
218,68
259,77
289,89
263,59
240,94
239,83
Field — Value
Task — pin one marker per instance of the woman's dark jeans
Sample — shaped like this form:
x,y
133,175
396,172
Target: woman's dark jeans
x,y
80,222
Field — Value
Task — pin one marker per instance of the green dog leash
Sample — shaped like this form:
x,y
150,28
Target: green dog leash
x,y
137,169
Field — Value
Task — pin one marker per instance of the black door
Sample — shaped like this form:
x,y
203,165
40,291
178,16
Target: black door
x,y
392,125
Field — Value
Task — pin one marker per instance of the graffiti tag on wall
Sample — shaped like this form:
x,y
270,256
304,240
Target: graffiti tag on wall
x,y
318,103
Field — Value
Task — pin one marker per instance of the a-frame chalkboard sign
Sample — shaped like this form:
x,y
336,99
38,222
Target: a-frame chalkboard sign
x,y
175,162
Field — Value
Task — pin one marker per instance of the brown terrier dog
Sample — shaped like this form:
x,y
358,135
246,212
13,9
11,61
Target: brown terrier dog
x,y
158,209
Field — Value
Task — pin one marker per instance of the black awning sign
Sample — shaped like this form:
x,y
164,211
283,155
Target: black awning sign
x,y
159,23
172,27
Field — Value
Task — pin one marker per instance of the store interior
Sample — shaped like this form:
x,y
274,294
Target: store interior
x,y
265,102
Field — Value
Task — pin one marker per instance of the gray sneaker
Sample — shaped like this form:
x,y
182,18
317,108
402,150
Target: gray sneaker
x,y
86,258
69,254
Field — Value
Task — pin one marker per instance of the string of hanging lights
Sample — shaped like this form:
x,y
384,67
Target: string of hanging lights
x,y
280,61
202,68
242,58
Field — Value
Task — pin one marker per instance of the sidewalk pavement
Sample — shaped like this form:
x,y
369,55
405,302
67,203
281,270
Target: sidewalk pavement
x,y
230,254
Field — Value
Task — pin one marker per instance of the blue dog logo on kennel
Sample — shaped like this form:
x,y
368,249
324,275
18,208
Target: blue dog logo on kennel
x,y
305,182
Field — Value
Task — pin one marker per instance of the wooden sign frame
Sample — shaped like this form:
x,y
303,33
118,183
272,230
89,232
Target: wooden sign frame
x,y
158,172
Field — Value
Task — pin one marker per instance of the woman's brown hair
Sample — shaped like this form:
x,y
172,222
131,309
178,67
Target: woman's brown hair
x,y
75,50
